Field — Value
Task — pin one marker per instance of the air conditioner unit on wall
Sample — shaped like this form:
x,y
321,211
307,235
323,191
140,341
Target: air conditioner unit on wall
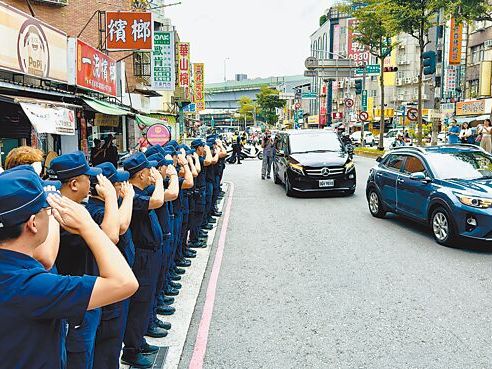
x,y
399,82
408,80
487,44
53,2
416,79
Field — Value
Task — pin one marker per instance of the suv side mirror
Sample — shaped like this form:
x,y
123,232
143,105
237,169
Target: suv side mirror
x,y
420,176
281,153
379,159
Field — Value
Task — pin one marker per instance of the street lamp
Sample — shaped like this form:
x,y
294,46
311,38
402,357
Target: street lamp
x,y
225,68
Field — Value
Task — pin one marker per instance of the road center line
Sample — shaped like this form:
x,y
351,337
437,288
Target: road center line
x,y
204,327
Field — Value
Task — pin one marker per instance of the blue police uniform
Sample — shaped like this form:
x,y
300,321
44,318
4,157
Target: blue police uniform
x,y
33,301
109,337
147,238
75,258
199,197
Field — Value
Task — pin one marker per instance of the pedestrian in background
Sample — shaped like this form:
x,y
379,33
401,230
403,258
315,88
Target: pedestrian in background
x,y
486,133
466,134
454,133
268,152
97,153
236,149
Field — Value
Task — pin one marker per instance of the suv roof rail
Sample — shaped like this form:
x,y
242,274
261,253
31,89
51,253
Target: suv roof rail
x,y
415,148
463,144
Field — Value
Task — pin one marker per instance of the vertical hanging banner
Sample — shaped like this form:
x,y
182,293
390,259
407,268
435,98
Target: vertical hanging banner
x,y
356,51
163,62
184,71
455,42
90,68
198,79
129,30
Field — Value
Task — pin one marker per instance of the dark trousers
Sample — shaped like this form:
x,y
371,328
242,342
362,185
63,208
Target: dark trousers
x,y
208,202
216,191
110,334
147,266
81,339
177,231
163,277
196,217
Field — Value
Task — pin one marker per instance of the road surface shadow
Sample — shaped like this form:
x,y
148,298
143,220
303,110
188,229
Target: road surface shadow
x,y
465,245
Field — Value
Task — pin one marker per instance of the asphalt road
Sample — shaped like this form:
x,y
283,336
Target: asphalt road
x,y
319,283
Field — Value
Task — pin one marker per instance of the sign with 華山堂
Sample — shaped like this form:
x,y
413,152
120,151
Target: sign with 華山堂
x,y
163,61
129,30
184,70
199,86
31,47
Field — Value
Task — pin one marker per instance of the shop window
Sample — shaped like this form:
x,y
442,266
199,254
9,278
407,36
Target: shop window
x,y
141,64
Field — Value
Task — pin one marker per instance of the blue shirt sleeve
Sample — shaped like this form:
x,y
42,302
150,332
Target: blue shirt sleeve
x,y
50,296
97,213
141,202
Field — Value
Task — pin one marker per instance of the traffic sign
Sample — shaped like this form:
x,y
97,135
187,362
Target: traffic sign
x,y
297,105
309,95
370,69
412,114
364,100
363,116
337,115
349,103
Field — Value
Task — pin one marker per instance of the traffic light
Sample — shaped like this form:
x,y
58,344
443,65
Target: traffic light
x,y
390,69
358,86
429,62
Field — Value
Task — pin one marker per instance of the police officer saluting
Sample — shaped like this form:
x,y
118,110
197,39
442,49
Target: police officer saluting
x,y
32,300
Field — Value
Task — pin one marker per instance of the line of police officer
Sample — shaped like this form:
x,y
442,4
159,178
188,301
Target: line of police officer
x,y
156,211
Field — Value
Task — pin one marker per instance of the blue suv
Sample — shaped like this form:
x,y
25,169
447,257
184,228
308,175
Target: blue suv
x,y
448,187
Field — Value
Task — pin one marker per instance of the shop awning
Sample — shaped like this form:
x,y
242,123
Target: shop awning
x,y
105,107
472,118
148,121
50,118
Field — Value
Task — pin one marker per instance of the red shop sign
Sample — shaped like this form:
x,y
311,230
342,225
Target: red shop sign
x,y
95,70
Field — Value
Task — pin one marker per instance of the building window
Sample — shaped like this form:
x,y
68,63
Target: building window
x,y
477,53
141,65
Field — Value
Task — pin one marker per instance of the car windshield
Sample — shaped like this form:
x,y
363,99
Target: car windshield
x,y
316,142
461,165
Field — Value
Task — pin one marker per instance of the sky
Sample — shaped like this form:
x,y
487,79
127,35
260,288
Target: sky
x,y
260,38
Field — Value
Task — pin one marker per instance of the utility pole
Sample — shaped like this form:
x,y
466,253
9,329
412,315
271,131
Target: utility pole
x,y
364,75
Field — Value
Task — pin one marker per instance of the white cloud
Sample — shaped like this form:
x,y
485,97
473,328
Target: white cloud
x,y
262,38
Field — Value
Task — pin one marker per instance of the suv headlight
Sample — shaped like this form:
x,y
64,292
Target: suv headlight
x,y
349,166
476,202
297,168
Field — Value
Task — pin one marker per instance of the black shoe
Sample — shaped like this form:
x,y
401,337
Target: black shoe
x,y
163,325
189,254
268,177
168,300
175,285
149,349
171,292
201,239
156,332
263,177
137,361
212,220
193,252
165,310
208,227
183,263
203,235
175,277
221,193
198,245
179,271
216,213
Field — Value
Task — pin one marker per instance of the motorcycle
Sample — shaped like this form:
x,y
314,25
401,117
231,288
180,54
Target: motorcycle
x,y
247,152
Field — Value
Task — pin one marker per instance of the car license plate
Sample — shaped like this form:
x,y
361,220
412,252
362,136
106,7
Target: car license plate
x,y
327,183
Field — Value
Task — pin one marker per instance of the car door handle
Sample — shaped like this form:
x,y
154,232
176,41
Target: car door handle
x,y
399,180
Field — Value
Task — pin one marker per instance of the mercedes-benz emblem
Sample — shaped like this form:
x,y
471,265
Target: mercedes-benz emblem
x,y
325,172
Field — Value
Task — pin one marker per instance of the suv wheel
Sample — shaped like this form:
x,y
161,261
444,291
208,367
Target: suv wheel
x,y
376,207
442,227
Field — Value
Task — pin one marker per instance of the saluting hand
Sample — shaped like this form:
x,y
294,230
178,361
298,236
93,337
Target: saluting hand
x,y
155,175
105,188
171,170
73,217
195,155
127,190
182,159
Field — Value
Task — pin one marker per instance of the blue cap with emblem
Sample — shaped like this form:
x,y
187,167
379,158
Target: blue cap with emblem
x,y
56,184
169,150
197,143
111,173
161,160
137,162
71,165
21,195
173,143
156,149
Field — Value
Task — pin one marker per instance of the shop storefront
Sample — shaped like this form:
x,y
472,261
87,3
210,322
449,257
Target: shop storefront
x,y
473,112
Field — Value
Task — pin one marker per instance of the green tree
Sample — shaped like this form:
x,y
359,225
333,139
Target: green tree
x,y
374,29
268,101
416,18
246,108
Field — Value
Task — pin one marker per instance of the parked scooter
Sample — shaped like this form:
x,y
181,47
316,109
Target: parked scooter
x,y
247,152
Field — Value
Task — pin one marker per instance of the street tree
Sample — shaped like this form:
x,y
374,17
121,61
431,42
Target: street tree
x,y
416,18
268,101
373,29
246,108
